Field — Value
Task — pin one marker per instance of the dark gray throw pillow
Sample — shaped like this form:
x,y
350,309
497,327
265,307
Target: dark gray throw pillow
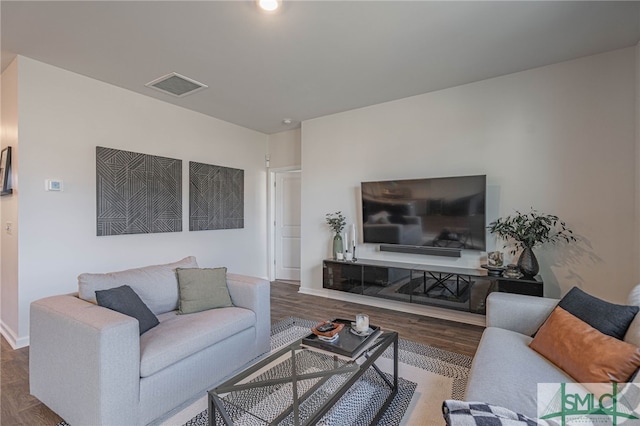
x,y
124,300
608,318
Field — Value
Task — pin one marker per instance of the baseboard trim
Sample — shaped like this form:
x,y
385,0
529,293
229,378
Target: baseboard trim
x,y
429,311
13,340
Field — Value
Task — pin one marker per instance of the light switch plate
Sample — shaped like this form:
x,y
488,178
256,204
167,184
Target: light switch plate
x,y
53,185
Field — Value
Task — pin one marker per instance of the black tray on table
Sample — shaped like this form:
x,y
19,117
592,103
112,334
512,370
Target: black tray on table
x,y
348,344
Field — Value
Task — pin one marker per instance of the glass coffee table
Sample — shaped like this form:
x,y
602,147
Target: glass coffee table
x,y
299,384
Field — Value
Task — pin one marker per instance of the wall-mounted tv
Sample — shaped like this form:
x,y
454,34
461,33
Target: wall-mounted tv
x,y
447,212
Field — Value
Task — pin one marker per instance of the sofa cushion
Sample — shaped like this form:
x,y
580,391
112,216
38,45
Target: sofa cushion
x,y
124,300
608,318
634,296
178,336
156,285
585,353
202,289
506,372
633,332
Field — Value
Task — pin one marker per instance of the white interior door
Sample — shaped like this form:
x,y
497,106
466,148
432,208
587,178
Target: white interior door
x,y
287,224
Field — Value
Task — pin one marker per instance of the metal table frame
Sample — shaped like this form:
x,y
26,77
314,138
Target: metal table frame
x,y
441,280
370,354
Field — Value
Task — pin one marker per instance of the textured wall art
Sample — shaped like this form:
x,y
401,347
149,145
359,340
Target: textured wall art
x,y
216,197
137,193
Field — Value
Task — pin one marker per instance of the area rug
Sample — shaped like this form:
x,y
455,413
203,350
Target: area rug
x,y
428,376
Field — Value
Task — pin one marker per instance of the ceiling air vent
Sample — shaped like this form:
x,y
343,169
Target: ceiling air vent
x,y
176,85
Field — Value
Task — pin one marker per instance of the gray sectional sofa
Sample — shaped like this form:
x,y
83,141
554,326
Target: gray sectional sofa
x,y
91,366
505,370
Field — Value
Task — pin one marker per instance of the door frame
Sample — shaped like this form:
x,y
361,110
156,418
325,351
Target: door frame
x,y
271,216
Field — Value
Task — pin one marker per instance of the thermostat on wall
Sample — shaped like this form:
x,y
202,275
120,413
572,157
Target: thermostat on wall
x,y
53,185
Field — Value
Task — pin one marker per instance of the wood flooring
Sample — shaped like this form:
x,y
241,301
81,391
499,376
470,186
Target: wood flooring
x,y
18,407
443,334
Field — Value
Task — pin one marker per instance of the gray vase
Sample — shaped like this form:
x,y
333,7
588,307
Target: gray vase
x,y
528,263
338,247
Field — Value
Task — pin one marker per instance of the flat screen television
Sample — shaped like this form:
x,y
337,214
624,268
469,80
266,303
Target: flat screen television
x,y
447,212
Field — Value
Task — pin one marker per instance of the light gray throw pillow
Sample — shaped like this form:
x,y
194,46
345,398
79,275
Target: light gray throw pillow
x,y
156,285
202,289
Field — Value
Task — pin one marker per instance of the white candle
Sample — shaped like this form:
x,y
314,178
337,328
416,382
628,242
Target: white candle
x,y
353,235
362,322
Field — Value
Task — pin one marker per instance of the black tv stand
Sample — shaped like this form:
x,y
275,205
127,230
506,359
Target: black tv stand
x,y
462,289
441,280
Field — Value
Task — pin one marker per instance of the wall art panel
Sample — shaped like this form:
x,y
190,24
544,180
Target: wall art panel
x,y
137,193
216,197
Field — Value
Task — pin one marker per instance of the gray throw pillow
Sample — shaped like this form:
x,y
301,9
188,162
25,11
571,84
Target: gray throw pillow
x,y
608,318
124,300
202,289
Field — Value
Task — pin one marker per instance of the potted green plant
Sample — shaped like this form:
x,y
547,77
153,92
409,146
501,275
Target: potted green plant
x,y
336,222
529,230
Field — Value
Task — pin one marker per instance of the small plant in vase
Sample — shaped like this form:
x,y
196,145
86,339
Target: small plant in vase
x,y
529,230
337,223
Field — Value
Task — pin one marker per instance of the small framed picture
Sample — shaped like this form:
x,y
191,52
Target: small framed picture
x,y
495,259
5,171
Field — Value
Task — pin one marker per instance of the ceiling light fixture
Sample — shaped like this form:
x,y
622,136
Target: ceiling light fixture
x,y
269,5
287,121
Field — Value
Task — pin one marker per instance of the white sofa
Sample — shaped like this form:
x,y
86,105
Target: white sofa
x,y
505,370
90,365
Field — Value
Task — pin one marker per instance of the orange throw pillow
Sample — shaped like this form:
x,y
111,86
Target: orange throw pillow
x,y
583,352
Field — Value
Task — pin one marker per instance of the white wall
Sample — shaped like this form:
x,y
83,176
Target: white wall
x,y
560,138
9,206
284,149
637,177
63,117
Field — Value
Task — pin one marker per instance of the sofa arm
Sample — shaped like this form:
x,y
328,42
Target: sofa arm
x,y
254,293
84,361
517,312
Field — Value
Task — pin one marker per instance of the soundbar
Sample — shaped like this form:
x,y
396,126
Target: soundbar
x,y
434,251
